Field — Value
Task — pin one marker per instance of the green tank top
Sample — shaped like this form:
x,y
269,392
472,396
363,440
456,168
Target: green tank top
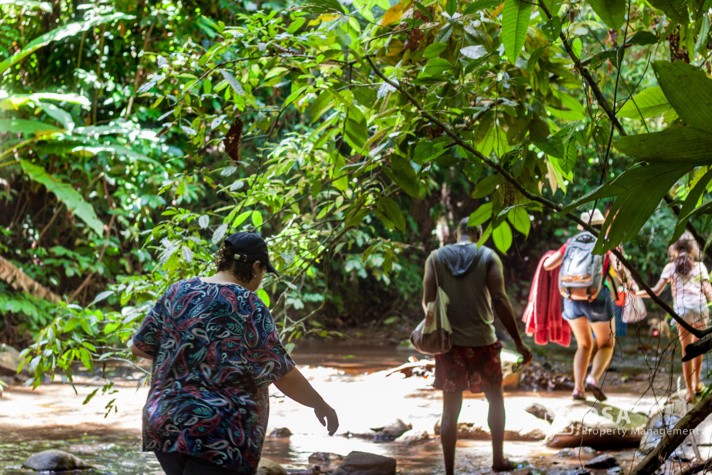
x,y
470,309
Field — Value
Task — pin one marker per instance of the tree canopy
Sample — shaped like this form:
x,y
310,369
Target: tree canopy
x,y
136,135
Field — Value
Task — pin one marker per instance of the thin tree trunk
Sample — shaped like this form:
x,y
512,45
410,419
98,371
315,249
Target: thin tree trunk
x,y
14,276
673,438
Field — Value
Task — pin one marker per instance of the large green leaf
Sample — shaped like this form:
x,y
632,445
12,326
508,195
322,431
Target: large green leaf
x,y
637,193
403,174
57,34
670,145
519,218
650,102
502,237
689,91
23,126
515,23
691,203
390,213
612,12
66,194
15,101
676,10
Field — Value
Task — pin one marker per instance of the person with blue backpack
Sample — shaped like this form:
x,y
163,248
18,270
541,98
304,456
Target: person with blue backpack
x,y
587,305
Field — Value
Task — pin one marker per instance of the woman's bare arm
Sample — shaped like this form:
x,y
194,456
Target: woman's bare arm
x,y
657,289
295,386
553,261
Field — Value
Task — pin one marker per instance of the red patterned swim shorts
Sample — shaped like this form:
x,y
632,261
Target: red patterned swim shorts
x,y
477,368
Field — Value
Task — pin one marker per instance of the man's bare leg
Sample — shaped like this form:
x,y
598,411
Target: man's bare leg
x,y
452,403
495,420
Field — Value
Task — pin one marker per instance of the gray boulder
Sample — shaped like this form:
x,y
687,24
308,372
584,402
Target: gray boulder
x,y
392,431
364,463
540,412
413,437
270,467
602,461
9,360
55,461
325,460
595,425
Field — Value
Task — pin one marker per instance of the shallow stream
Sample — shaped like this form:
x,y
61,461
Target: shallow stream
x,y
352,378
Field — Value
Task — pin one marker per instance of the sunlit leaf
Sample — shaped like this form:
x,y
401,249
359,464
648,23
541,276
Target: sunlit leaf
x,y
650,102
693,102
66,194
515,23
612,12
395,13
502,237
57,34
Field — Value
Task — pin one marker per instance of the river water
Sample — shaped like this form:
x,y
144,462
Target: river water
x,y
352,379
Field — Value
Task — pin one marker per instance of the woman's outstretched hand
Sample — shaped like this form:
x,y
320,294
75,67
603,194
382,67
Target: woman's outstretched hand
x,y
327,417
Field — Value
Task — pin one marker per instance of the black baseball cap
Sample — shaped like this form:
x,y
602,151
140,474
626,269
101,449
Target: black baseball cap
x,y
250,247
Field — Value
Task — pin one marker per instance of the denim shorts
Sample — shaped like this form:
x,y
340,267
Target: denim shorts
x,y
600,310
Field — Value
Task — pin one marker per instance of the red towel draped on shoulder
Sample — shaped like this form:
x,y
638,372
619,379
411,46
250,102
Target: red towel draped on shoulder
x,y
542,315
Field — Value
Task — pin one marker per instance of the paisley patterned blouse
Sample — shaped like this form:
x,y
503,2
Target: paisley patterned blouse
x,y
216,350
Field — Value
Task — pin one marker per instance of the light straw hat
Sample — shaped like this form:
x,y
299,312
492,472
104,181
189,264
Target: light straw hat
x,y
594,218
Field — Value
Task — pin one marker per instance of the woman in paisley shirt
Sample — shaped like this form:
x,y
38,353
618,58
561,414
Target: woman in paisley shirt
x,y
215,351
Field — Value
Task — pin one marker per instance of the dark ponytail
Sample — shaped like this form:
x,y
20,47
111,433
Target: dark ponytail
x,y
683,263
684,260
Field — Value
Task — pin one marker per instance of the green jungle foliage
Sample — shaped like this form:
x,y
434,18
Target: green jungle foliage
x,y
134,136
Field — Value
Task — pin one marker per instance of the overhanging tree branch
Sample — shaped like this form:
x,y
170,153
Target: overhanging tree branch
x,y
533,197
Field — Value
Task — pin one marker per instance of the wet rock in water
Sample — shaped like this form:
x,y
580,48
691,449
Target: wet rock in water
x,y
520,426
602,461
578,453
539,411
540,377
280,433
413,438
391,431
572,471
55,461
9,360
597,425
270,467
324,460
364,463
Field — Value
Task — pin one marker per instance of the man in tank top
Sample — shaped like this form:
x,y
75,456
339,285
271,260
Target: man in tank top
x,y
472,277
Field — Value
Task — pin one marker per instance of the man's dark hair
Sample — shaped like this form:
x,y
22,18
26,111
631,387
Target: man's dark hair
x,y
241,269
463,229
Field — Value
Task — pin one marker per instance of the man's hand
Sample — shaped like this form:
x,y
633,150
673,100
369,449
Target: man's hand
x,y
525,352
327,417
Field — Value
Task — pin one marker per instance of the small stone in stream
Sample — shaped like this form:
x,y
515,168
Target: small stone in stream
x,y
414,438
324,459
391,431
602,461
537,410
576,452
575,471
55,461
280,433
270,467
364,463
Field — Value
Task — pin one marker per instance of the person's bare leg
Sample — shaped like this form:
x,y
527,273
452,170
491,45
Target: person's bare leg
x,y
606,342
584,346
495,420
452,402
688,368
